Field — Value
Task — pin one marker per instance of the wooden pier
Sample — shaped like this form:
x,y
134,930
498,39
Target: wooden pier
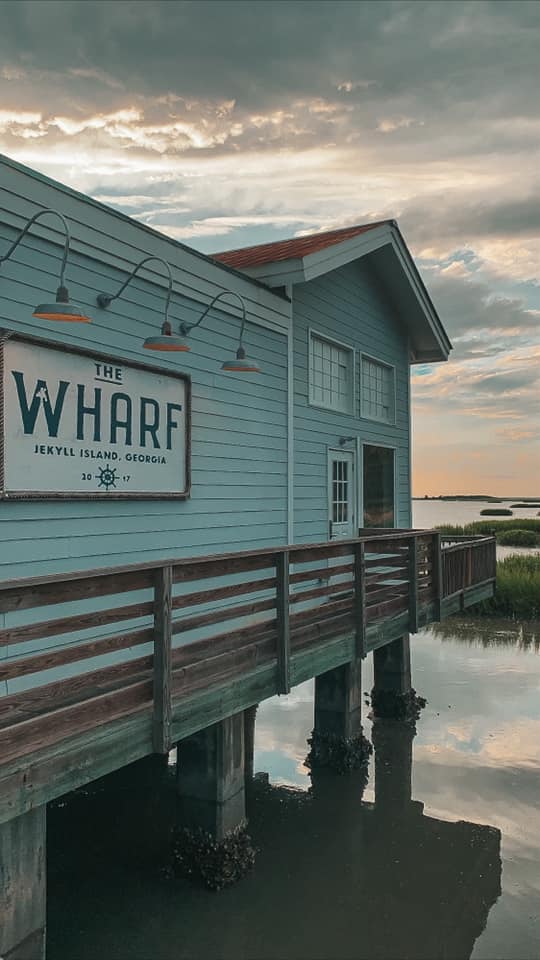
x,y
190,642
106,667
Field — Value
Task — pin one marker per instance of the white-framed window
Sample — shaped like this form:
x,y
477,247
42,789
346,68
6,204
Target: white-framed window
x,y
331,374
377,390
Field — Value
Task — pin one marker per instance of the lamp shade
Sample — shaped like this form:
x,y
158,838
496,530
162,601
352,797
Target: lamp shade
x,y
167,341
60,311
240,364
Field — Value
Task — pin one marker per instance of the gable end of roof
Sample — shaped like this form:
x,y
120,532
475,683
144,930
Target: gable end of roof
x,y
301,259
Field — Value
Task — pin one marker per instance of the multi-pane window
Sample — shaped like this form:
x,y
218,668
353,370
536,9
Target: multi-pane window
x,y
340,492
330,374
377,391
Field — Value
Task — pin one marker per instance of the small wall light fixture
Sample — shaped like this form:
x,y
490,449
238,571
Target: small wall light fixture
x,y
176,342
239,363
62,309
344,440
166,340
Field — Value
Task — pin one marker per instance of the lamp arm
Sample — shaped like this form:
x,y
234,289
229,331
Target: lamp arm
x,y
24,231
186,328
104,299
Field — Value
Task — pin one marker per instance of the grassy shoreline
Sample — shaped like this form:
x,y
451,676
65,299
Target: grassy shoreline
x,y
512,533
517,594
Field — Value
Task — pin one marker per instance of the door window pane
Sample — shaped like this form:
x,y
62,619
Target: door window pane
x,y
340,491
378,487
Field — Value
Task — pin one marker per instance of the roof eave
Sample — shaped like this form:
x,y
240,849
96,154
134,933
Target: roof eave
x,y
300,270
424,300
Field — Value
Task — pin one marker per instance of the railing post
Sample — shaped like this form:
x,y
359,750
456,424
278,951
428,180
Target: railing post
x,y
282,616
413,586
161,724
360,598
438,574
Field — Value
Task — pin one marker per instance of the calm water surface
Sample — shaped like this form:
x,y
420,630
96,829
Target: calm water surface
x,y
437,855
431,513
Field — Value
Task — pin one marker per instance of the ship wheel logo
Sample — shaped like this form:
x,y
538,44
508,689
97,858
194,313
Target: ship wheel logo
x,y
107,478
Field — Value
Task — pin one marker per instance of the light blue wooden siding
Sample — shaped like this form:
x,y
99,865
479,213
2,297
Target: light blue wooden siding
x,y
239,475
350,306
239,423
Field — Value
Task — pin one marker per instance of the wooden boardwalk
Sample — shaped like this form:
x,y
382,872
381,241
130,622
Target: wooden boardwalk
x,y
142,656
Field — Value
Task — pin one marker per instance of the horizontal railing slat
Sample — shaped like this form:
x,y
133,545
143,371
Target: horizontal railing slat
x,y
206,570
321,573
328,590
185,624
187,656
387,608
82,621
220,642
376,596
51,696
322,612
24,738
212,668
222,593
56,658
312,633
66,590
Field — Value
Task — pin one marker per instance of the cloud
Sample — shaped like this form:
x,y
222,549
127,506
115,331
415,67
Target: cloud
x,y
232,123
509,376
390,125
264,51
516,435
471,310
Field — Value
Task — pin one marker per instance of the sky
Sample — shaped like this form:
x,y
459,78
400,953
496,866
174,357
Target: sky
x,y
224,124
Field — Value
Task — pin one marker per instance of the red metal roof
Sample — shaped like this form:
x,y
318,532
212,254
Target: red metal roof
x,y
292,249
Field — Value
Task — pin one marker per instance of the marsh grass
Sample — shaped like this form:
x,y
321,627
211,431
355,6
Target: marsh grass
x,y
496,512
517,538
517,594
494,528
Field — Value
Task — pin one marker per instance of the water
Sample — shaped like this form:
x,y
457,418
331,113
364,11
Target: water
x,y
437,855
430,513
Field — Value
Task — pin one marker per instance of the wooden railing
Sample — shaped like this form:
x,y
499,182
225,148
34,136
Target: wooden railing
x,y
90,648
467,561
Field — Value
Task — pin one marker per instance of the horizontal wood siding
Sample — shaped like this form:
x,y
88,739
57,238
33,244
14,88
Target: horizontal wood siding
x,y
350,306
239,423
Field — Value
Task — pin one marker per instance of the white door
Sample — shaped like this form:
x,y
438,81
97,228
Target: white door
x,y
341,494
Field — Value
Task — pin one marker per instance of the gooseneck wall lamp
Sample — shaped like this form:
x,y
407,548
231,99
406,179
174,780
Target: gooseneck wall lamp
x,y
61,309
167,340
239,364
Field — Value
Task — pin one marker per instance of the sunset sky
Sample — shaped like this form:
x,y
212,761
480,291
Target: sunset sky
x,y
230,123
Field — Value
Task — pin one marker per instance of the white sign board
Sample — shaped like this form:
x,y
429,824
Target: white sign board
x,y
81,425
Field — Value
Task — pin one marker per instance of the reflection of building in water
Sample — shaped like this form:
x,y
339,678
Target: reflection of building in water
x,y
335,877
374,879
